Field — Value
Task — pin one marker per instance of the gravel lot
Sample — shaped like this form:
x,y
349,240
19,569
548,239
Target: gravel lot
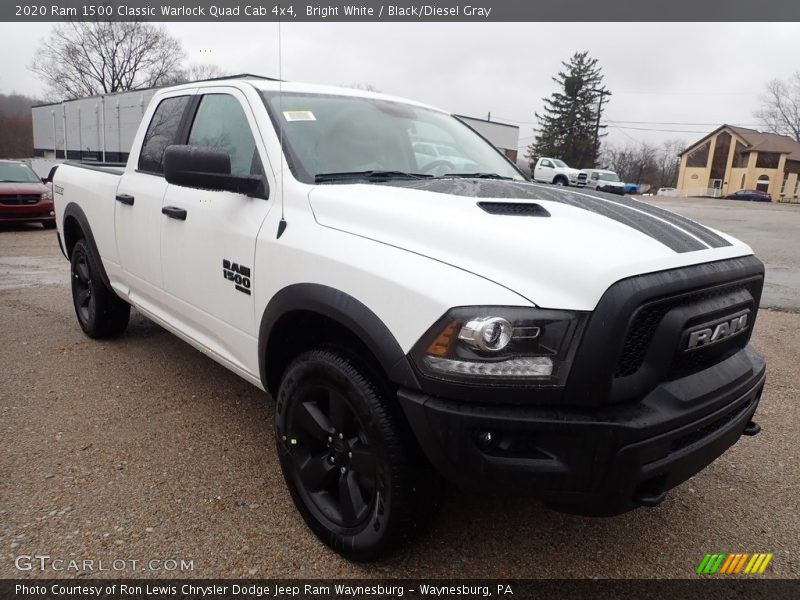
x,y
142,448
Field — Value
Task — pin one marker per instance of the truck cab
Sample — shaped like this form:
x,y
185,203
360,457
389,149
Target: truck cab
x,y
557,172
415,326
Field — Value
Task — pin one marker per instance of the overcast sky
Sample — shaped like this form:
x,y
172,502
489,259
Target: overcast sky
x,y
659,74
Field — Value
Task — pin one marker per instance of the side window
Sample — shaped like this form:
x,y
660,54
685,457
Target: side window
x,y
162,132
221,123
547,163
595,176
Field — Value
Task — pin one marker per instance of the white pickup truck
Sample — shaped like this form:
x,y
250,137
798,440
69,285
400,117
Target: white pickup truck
x,y
502,334
557,172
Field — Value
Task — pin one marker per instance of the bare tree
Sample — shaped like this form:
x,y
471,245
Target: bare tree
x,y
780,107
645,164
16,126
84,59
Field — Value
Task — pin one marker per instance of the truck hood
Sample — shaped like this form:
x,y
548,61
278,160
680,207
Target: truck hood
x,y
563,254
17,188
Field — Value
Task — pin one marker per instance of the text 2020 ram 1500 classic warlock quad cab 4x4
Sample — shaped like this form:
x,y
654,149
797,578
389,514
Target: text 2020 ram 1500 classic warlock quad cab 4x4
x,y
414,322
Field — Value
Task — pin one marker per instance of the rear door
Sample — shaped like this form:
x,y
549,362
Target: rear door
x,y
137,211
208,256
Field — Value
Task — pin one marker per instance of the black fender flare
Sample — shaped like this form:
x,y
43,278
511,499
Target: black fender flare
x,y
348,312
73,210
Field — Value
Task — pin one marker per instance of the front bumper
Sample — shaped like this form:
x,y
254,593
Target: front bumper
x,y
601,461
41,212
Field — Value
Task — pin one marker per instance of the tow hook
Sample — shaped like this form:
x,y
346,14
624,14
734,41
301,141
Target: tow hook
x,y
650,493
752,429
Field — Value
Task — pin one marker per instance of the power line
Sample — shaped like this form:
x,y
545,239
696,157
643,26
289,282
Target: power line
x,y
678,123
659,129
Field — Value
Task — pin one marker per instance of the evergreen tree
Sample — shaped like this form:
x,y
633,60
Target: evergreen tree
x,y
568,129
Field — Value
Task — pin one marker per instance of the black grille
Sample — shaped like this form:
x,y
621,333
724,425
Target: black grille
x,y
647,318
515,209
20,199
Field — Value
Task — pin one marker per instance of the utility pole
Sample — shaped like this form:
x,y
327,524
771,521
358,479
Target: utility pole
x,y
602,93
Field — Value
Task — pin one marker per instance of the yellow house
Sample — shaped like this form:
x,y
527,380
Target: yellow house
x,y
735,158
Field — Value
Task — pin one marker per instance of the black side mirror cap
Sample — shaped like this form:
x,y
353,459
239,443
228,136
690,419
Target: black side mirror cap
x,y
210,169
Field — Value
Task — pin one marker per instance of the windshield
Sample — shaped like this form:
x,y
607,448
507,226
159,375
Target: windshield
x,y
609,177
325,135
17,173
561,163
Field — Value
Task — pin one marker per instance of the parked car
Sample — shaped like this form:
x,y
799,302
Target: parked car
x,y
631,188
753,195
24,197
478,328
604,180
667,191
557,172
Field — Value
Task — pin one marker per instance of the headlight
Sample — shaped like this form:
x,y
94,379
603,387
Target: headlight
x,y
47,196
510,345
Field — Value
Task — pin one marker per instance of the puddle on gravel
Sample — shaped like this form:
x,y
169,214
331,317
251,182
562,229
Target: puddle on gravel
x,y
30,271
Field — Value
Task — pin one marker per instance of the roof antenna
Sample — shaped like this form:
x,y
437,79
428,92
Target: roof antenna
x,y
282,222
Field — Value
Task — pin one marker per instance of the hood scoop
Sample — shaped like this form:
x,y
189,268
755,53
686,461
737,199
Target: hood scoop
x,y
514,209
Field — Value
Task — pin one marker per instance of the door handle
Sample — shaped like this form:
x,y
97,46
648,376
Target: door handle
x,y
125,199
173,212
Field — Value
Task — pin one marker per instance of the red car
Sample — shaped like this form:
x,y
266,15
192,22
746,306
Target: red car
x,y
24,198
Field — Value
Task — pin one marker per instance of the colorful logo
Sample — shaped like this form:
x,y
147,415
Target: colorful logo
x,y
734,564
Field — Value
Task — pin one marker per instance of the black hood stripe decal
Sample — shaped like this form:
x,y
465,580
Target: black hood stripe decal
x,y
673,238
709,237
674,231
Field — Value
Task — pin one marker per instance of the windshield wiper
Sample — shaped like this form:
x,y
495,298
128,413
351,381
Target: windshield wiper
x,y
368,175
476,175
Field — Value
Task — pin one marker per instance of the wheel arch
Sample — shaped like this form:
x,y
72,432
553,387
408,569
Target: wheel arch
x,y
329,312
76,227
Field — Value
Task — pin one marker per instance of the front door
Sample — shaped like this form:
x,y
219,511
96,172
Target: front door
x,y
208,238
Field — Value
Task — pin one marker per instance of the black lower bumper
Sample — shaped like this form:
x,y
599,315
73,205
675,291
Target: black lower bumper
x,y
601,461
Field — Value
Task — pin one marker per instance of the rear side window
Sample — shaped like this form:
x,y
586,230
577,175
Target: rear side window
x,y
221,123
162,132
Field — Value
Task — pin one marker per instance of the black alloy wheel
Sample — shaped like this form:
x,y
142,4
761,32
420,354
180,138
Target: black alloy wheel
x,y
352,466
101,313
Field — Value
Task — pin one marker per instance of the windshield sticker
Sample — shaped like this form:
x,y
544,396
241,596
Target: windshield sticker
x,y
299,115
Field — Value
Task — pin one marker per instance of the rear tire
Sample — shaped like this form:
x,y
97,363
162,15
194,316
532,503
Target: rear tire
x,y
352,466
100,312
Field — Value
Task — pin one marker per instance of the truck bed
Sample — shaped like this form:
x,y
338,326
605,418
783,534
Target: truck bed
x,y
93,187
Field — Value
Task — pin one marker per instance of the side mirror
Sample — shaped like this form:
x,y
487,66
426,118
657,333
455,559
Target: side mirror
x,y
209,169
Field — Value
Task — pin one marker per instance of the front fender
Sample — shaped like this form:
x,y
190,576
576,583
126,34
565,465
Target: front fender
x,y
348,312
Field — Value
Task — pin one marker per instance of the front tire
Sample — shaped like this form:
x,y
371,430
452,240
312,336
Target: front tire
x,y
101,314
352,466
